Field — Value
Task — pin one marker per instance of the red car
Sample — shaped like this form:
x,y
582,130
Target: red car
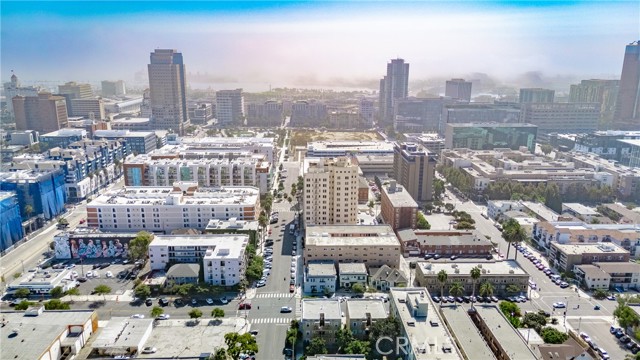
x,y
244,306
82,221
292,288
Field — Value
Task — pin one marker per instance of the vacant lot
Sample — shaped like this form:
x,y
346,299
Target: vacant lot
x,y
302,137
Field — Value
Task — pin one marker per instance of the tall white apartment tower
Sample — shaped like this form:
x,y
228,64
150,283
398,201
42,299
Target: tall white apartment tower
x,y
331,192
167,85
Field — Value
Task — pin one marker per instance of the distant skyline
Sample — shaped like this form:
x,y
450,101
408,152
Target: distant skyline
x,y
317,43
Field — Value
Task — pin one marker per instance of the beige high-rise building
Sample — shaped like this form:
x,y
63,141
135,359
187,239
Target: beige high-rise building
x,y
75,90
44,113
167,85
414,168
331,192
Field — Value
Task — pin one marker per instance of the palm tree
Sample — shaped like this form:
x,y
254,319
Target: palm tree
x,y
512,232
456,289
486,289
475,275
442,279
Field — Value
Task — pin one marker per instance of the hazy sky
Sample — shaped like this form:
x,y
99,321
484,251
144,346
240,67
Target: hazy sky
x,y
295,43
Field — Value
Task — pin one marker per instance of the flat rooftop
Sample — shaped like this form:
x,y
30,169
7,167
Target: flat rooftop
x,y
370,158
242,225
359,308
579,209
619,267
36,333
348,235
312,308
122,133
492,124
469,338
587,248
426,332
510,339
399,196
352,268
164,195
46,277
152,160
593,271
224,245
505,267
113,335
321,269
425,238
350,145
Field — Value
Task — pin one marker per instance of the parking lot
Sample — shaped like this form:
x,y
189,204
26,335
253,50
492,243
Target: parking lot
x,y
114,275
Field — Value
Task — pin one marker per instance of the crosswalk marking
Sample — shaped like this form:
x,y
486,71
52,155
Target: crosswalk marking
x,y
271,321
274,295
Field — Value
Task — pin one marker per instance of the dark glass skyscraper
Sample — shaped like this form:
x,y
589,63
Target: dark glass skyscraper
x,y
394,86
627,115
167,86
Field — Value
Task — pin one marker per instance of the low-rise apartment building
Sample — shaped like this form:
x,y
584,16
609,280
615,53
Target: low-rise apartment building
x,y
229,145
565,257
361,314
426,337
162,209
443,243
486,166
398,209
352,273
627,236
580,211
495,209
373,245
321,318
609,275
320,277
41,282
624,180
163,170
170,249
500,274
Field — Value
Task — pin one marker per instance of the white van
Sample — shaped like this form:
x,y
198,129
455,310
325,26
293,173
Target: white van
x,y
555,277
532,284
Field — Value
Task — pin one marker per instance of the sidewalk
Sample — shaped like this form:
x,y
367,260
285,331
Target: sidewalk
x,y
127,296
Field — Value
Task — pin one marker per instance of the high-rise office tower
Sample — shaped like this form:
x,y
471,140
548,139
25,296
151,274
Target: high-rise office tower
x,y
603,92
458,89
394,86
75,90
44,113
414,168
627,116
113,88
536,95
230,107
168,86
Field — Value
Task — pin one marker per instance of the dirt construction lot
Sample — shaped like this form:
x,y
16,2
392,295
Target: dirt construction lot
x,y
302,137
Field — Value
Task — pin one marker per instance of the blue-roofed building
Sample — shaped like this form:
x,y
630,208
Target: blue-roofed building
x,y
10,220
62,138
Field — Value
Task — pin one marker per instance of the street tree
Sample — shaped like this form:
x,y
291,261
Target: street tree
x,y
142,291
217,313
156,311
139,246
513,289
195,314
240,344
358,288
552,335
22,293
316,346
513,233
56,292
422,222
56,304
456,289
102,290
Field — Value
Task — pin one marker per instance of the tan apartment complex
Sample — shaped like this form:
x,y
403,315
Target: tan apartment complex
x,y
565,256
373,245
331,192
499,273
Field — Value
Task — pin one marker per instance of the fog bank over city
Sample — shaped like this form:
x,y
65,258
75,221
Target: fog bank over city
x,y
325,45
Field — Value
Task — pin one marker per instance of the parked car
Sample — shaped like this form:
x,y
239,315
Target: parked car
x,y
137,316
163,317
149,350
224,300
209,301
292,288
163,301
